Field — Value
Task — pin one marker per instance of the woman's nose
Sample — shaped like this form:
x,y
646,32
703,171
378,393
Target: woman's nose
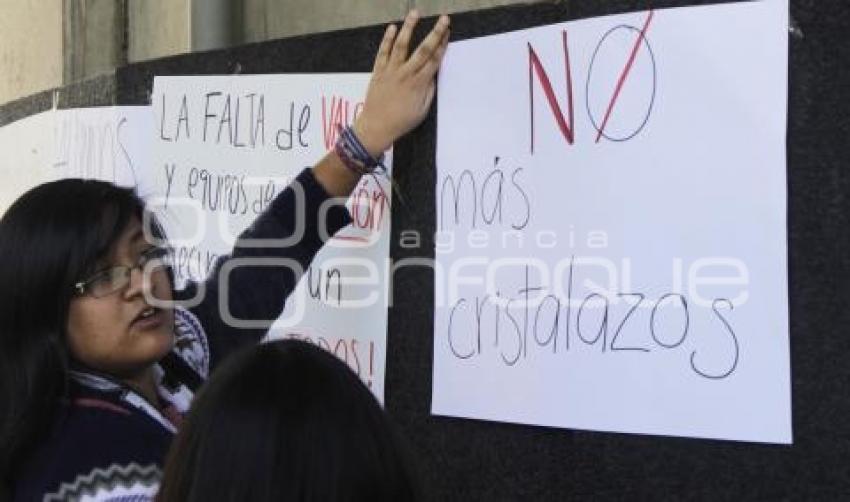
x,y
140,283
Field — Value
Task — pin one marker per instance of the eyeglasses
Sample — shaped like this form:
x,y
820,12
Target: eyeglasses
x,y
114,279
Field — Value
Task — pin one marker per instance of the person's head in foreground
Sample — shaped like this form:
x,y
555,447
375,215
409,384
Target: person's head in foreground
x,y
287,421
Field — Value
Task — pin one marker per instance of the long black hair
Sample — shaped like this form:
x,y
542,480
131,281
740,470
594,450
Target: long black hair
x,y
50,238
287,421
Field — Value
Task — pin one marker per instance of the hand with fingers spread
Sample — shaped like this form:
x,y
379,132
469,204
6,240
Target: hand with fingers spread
x,y
398,98
402,86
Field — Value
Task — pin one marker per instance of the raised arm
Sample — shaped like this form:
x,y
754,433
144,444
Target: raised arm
x,y
399,96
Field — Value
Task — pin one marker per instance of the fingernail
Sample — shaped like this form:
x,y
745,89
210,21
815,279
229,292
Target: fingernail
x,y
413,13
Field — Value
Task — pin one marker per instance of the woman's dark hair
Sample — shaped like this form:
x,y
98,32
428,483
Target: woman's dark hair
x,y
287,421
50,238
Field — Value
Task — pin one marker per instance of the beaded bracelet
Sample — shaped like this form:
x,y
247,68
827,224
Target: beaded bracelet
x,y
354,155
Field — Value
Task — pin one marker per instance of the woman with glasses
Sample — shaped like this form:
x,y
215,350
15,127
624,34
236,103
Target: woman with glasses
x,y
98,360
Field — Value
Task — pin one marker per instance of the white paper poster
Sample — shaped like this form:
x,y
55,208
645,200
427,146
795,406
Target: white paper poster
x,y
611,216
224,147
27,158
110,143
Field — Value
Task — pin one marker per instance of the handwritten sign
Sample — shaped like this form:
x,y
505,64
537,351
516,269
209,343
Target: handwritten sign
x,y
27,147
106,143
225,147
611,216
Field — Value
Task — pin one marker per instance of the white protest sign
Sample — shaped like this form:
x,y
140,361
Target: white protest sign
x,y
611,216
110,143
27,146
225,146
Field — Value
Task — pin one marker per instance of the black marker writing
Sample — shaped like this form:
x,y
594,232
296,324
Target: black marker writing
x,y
714,307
